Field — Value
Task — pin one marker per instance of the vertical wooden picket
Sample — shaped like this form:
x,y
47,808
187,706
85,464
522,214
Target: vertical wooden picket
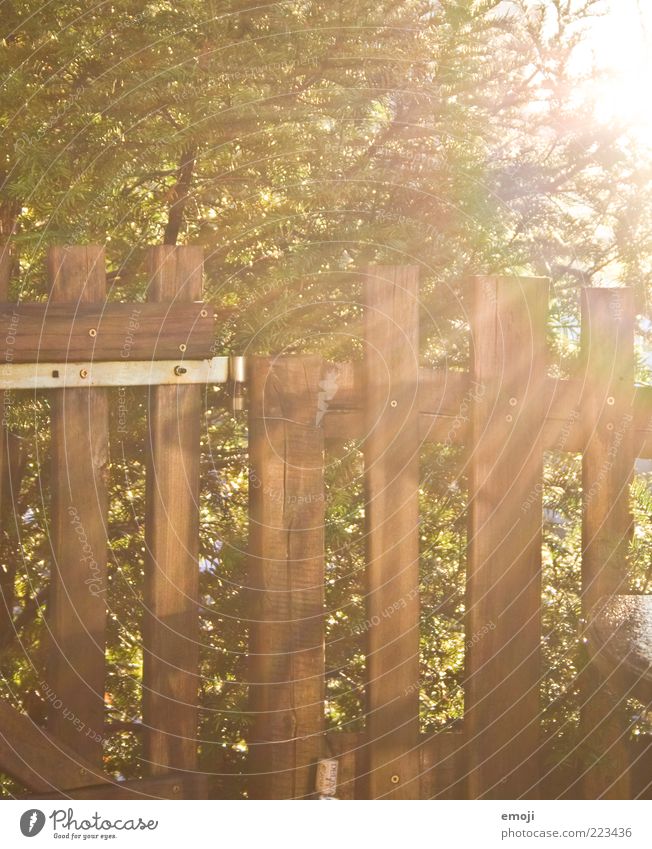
x,y
8,573
171,623
508,336
286,576
391,450
607,466
78,533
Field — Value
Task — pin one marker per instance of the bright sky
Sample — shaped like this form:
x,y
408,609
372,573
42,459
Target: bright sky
x,y
622,44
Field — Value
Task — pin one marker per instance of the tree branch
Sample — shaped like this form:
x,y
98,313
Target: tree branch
x,y
181,192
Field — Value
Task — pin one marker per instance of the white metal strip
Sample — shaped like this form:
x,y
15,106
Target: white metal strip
x,y
122,373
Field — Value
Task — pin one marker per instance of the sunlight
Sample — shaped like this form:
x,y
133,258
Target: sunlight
x,y
619,49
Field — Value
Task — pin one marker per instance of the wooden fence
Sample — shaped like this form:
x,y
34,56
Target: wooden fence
x,y
393,406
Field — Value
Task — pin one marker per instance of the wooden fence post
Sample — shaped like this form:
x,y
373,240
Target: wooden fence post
x,y
286,575
607,467
508,335
171,620
391,449
8,573
77,597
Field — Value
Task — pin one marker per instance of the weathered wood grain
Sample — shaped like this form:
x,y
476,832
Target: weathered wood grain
x,y
442,764
78,534
286,575
607,467
38,760
174,786
391,452
508,336
443,411
73,331
8,574
444,769
171,624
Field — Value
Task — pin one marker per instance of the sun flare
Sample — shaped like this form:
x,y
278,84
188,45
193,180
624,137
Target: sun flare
x,y
619,48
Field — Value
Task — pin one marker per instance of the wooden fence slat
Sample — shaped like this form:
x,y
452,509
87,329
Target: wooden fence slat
x,y
173,786
45,765
8,574
391,451
286,577
349,748
508,336
73,332
171,623
78,533
607,467
443,765
444,398
37,759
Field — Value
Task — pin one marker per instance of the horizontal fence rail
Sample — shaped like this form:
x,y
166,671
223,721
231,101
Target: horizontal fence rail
x,y
81,331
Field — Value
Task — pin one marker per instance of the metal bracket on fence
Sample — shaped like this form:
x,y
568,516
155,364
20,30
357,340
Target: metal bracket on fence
x,y
119,373
237,381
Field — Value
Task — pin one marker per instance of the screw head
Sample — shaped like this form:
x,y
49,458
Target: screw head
x,y
513,402
204,313
509,418
182,347
395,779
92,332
55,373
393,403
83,373
611,400
179,370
